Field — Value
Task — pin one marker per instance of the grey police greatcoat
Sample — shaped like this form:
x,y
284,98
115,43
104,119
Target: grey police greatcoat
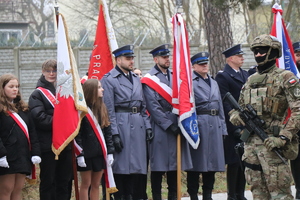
x,y
163,147
119,91
209,156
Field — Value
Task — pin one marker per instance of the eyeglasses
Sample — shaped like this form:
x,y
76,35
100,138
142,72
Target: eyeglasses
x,y
51,71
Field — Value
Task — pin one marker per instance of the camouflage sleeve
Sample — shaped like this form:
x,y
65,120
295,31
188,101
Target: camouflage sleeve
x,y
292,91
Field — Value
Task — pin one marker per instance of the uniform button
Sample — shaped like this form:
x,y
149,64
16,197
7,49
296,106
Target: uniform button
x,y
210,125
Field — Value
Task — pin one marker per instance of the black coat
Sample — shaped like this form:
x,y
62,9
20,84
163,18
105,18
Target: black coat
x,y
88,141
229,81
42,113
14,144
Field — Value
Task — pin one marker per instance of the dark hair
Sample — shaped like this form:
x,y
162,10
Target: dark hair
x,y
96,104
5,104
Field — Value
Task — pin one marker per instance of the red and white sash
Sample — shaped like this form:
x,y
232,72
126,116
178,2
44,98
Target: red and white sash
x,y
161,88
21,124
108,173
49,96
16,117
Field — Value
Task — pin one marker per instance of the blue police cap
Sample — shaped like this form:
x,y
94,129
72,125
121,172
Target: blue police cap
x,y
126,51
200,58
296,46
162,50
235,50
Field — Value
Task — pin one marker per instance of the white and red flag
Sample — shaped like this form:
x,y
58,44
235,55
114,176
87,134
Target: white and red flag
x,y
183,94
287,60
70,106
101,60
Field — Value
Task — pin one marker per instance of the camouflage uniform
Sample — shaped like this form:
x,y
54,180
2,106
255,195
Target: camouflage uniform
x,y
271,93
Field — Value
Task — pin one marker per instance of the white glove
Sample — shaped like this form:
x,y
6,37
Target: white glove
x,y
81,161
3,162
110,159
36,159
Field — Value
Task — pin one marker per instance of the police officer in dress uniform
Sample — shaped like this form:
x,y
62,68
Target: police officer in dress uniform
x,y
270,92
162,150
208,158
130,124
231,80
295,164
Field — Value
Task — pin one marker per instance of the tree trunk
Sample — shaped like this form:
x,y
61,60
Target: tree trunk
x,y
288,12
219,34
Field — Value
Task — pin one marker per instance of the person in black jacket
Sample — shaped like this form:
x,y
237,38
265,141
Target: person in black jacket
x,y
55,175
19,147
93,158
231,80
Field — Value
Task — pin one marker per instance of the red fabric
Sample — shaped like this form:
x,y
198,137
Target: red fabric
x,y
65,121
101,61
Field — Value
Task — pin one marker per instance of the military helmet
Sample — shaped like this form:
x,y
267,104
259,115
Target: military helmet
x,y
266,41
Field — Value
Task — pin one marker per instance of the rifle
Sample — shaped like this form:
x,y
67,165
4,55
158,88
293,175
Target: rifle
x,y
252,122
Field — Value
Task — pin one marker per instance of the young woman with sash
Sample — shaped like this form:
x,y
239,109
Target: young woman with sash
x,y
19,146
95,139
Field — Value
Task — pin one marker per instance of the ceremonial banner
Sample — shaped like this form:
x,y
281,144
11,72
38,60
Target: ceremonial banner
x,y
183,94
101,60
287,60
70,106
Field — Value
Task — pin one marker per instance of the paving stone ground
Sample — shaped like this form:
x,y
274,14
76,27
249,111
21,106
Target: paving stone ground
x,y
223,196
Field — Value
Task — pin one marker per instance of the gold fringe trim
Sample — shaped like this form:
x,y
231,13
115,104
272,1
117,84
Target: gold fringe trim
x,y
112,190
31,181
67,141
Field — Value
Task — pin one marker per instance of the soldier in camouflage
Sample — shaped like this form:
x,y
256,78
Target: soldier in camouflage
x,y
271,91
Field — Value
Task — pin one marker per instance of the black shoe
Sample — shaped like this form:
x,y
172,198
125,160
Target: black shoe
x,y
194,197
207,194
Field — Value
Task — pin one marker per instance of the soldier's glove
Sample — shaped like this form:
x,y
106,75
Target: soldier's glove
x,y
235,118
274,142
149,134
117,143
237,133
173,129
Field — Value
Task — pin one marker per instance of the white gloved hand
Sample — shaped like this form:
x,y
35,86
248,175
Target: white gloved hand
x,y
36,159
3,162
81,161
110,159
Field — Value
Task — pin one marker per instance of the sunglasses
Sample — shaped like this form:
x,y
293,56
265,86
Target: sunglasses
x,y
261,50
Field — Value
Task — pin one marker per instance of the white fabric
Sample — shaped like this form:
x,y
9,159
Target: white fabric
x,y
81,161
110,159
3,162
36,159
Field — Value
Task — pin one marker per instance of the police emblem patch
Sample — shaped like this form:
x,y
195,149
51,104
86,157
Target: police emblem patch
x,y
292,81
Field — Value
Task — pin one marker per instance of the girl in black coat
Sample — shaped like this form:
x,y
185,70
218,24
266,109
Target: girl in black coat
x,y
91,161
19,147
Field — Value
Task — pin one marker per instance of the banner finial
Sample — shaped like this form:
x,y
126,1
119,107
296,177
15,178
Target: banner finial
x,y
179,8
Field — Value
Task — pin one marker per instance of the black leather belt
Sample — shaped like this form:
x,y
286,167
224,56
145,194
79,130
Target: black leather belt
x,y
207,112
253,166
126,109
